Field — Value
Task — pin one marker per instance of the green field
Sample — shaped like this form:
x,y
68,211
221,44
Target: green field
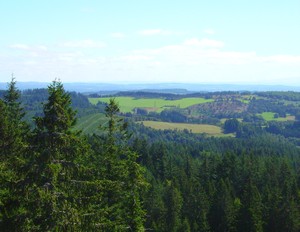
x,y
195,128
269,116
90,123
127,104
246,101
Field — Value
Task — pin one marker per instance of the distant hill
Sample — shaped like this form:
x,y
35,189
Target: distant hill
x,y
179,88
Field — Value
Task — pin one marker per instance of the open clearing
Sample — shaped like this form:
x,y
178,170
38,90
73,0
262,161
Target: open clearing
x,y
89,124
195,128
127,104
269,116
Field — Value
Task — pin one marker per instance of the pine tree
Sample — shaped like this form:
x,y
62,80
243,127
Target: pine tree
x,y
174,203
56,194
17,128
4,130
225,208
13,145
200,208
156,208
121,175
251,211
5,175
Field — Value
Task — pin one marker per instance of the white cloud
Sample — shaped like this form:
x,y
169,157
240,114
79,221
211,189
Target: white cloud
x,y
136,58
31,49
286,59
27,47
192,60
20,46
151,32
206,53
204,43
88,43
67,57
42,48
30,62
118,35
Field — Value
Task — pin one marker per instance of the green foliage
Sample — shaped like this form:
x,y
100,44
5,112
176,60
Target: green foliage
x,y
221,184
53,178
13,150
231,126
174,203
270,116
56,167
122,177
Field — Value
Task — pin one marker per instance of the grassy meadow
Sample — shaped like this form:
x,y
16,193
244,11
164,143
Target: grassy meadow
x,y
269,116
89,124
194,128
127,104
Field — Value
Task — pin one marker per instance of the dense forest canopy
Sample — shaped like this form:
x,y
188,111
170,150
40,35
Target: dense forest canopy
x,y
123,176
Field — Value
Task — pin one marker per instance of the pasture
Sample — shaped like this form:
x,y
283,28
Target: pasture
x,y
127,104
269,116
90,123
194,128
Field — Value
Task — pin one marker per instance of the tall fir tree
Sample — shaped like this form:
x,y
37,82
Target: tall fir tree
x,y
174,203
122,177
251,210
56,194
13,148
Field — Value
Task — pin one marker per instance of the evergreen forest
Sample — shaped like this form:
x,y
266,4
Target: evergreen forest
x,y
128,177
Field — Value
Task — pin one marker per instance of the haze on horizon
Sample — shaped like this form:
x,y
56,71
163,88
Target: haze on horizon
x,y
118,41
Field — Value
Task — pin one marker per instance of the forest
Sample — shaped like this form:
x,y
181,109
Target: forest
x,y
128,177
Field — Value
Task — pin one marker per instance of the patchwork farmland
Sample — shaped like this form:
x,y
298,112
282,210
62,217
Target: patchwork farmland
x,y
128,104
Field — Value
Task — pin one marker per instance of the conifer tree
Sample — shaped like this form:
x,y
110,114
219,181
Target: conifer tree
x,y
5,176
121,175
17,128
199,207
13,145
173,204
135,184
225,208
4,133
156,207
251,211
57,189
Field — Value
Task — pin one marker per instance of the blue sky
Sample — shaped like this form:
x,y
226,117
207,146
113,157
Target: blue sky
x,y
120,41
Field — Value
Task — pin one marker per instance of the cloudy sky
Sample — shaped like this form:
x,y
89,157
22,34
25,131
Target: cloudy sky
x,y
118,41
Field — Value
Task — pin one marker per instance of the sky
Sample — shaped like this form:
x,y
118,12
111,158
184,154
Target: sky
x,y
143,41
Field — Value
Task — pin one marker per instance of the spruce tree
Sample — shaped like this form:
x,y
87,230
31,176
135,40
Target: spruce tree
x,y
174,203
135,184
251,210
5,175
56,201
13,147
121,176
